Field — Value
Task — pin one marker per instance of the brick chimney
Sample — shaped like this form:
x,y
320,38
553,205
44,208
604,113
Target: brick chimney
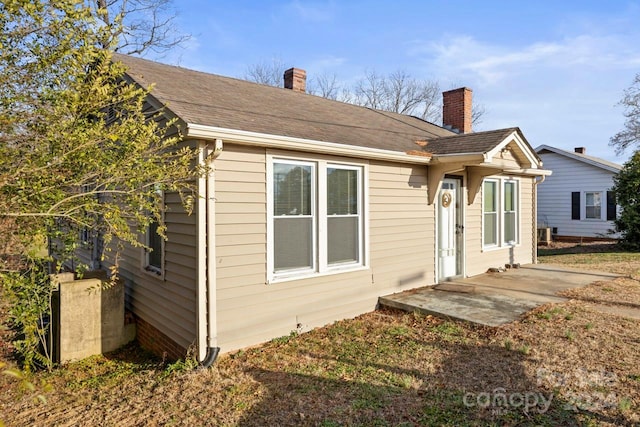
x,y
295,79
456,109
580,150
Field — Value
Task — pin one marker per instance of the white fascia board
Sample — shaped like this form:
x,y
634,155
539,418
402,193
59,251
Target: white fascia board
x,y
575,156
457,158
513,136
531,172
298,144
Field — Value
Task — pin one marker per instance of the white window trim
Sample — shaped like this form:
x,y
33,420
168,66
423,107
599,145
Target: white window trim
x,y
500,181
502,211
497,213
320,244
146,268
603,207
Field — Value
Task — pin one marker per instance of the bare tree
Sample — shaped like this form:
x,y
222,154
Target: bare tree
x,y
326,86
398,92
135,27
369,91
267,72
630,135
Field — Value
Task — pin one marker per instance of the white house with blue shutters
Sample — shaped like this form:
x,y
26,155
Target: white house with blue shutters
x,y
577,201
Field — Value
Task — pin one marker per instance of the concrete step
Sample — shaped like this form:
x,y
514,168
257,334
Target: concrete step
x,y
455,287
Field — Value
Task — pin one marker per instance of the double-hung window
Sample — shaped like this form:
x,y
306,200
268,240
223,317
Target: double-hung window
x,y
500,204
294,216
593,205
316,217
510,222
490,214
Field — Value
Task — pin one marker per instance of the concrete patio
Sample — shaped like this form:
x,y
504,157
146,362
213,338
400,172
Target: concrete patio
x,y
494,299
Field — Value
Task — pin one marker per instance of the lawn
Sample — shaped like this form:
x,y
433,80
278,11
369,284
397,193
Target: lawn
x,y
561,364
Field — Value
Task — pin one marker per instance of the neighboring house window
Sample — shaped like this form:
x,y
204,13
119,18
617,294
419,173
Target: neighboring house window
x,y
316,217
154,253
500,201
593,205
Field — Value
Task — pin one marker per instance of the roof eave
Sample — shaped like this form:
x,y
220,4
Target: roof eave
x,y
235,136
458,157
574,156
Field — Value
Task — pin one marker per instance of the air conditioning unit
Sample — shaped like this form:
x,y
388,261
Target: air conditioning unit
x,y
544,235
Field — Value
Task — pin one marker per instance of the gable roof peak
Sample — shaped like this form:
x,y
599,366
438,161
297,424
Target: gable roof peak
x,y
591,160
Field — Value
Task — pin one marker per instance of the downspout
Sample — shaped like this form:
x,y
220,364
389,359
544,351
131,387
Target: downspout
x,y
207,310
534,204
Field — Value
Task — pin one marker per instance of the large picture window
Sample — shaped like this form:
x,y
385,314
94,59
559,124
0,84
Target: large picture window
x,y
316,217
500,204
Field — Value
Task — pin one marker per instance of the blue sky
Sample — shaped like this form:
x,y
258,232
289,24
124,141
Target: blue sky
x,y
556,69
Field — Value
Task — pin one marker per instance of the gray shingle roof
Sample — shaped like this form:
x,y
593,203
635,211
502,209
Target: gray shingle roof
x,y
470,143
595,161
212,100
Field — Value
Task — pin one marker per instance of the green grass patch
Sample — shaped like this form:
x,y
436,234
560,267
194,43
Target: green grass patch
x,y
551,313
449,330
569,334
625,404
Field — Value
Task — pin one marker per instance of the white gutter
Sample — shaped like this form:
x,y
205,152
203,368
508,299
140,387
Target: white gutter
x,y
207,299
459,157
299,144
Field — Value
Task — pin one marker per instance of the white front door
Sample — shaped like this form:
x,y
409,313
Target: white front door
x,y
449,229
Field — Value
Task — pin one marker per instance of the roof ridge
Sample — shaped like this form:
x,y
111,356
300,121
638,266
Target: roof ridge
x,y
483,132
580,156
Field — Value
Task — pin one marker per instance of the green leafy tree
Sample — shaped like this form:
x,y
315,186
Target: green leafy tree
x,y
78,149
627,182
627,190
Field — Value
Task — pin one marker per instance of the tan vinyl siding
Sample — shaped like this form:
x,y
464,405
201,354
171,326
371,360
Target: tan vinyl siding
x,y
479,259
168,303
251,311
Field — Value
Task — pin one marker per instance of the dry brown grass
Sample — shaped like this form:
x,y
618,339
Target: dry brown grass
x,y
382,368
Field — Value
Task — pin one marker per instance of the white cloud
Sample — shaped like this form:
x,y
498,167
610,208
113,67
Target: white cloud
x,y
490,64
561,92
